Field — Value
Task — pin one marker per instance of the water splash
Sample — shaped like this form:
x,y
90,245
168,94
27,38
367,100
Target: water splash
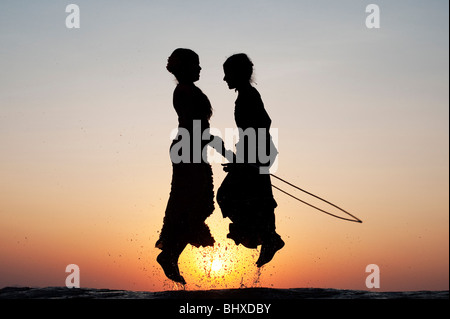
x,y
257,278
223,266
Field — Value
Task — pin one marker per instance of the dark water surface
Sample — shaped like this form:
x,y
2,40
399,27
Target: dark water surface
x,y
222,303
246,293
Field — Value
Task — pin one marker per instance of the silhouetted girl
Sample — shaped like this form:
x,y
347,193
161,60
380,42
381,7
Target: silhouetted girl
x,y
192,196
245,195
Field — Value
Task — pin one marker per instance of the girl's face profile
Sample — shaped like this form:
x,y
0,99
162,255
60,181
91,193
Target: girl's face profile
x,y
230,78
189,71
192,70
195,69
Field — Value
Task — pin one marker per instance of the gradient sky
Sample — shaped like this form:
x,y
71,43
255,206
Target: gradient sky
x,y
362,116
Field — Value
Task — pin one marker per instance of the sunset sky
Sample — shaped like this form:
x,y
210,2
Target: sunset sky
x,y
362,118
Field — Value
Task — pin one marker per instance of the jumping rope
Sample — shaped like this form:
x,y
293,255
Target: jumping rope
x,y
353,218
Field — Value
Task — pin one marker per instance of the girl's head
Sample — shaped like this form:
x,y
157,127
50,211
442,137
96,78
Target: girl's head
x,y
185,65
238,71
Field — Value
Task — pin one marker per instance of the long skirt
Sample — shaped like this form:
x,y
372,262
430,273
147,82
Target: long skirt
x,y
190,203
246,198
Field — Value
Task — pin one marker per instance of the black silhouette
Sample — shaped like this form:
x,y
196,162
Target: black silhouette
x,y
191,198
245,195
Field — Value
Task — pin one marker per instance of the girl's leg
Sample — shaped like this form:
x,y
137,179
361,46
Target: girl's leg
x,y
168,259
271,242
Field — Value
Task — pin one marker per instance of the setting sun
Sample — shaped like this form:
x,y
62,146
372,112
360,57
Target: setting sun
x,y
216,265
224,265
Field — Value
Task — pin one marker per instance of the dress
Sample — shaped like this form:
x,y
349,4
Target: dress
x,y
191,199
245,196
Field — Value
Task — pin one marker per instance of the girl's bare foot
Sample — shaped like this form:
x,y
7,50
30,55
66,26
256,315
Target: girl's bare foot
x,y
170,267
268,250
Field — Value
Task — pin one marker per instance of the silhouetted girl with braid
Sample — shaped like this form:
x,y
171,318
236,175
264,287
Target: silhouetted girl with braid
x,y
245,195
